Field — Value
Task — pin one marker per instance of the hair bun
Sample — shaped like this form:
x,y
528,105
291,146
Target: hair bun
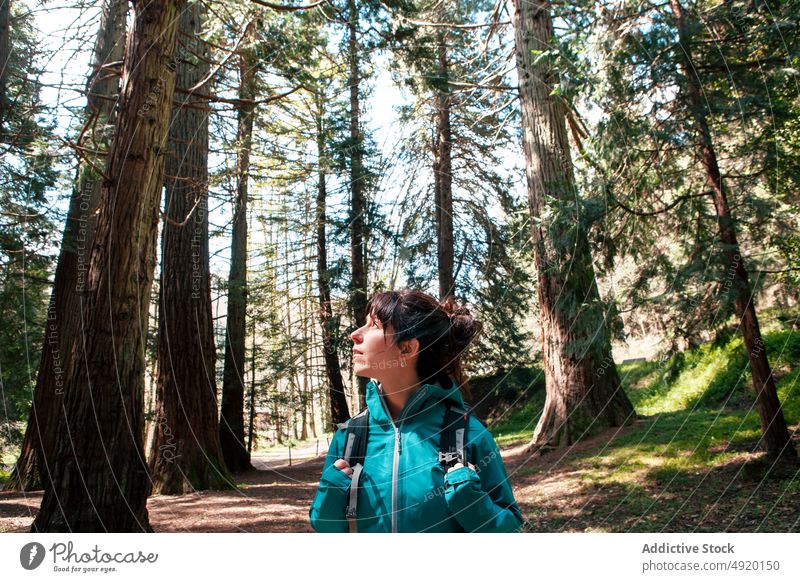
x,y
464,327
460,310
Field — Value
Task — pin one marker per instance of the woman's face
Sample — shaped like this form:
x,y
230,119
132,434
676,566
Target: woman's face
x,y
374,355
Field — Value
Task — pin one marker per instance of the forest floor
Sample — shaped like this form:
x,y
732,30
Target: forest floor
x,y
606,485
266,500
562,491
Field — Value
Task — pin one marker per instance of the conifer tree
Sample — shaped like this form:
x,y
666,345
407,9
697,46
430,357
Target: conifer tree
x,y
22,194
584,392
185,454
99,479
722,197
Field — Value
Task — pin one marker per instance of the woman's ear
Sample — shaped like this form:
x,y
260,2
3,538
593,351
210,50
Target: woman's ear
x,y
409,347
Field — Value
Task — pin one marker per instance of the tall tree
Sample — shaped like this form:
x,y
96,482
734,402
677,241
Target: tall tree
x,y
328,323
99,479
584,394
299,141
63,322
776,437
442,163
28,169
699,170
654,184
185,454
457,131
359,237
231,428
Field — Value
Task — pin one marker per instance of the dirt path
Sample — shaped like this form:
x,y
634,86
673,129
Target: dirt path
x,y
274,459
270,500
273,498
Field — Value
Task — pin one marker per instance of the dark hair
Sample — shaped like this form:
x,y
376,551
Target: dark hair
x,y
444,331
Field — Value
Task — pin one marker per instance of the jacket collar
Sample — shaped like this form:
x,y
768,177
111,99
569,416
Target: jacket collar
x,y
426,397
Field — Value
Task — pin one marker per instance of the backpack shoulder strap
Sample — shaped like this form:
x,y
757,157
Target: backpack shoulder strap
x,y
355,449
343,425
454,437
355,444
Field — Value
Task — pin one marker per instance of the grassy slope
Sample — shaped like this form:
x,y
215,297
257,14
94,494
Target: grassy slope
x,y
688,464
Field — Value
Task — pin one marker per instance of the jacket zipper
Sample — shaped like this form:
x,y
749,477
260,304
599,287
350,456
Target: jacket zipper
x,y
396,458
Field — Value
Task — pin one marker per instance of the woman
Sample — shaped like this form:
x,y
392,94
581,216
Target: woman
x,y
411,347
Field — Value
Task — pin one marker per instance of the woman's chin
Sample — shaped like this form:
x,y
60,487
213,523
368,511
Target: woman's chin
x,y
364,372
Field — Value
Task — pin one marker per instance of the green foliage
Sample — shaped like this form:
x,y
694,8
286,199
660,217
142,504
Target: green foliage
x,y
27,174
641,162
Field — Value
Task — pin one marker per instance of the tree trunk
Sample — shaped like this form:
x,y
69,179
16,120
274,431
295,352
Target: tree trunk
x,y
584,394
232,419
186,454
442,173
775,437
99,479
291,376
305,315
304,401
328,324
63,322
251,429
276,415
312,412
358,238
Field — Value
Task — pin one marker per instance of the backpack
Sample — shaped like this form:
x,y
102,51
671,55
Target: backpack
x,y
452,449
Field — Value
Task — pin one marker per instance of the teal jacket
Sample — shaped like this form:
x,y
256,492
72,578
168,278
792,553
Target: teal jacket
x,y
403,487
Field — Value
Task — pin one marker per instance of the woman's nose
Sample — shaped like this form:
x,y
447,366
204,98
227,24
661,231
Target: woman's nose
x,y
356,335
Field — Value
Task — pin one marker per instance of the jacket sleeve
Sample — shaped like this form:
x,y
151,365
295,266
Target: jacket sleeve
x,y
328,508
482,500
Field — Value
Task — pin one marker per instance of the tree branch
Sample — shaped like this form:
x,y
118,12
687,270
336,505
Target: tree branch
x,y
284,8
665,209
185,220
232,52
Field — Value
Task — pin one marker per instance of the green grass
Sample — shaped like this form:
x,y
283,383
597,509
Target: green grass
x,y
691,450
712,380
517,425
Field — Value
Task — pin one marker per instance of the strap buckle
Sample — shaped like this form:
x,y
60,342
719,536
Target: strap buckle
x,y
350,513
448,457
